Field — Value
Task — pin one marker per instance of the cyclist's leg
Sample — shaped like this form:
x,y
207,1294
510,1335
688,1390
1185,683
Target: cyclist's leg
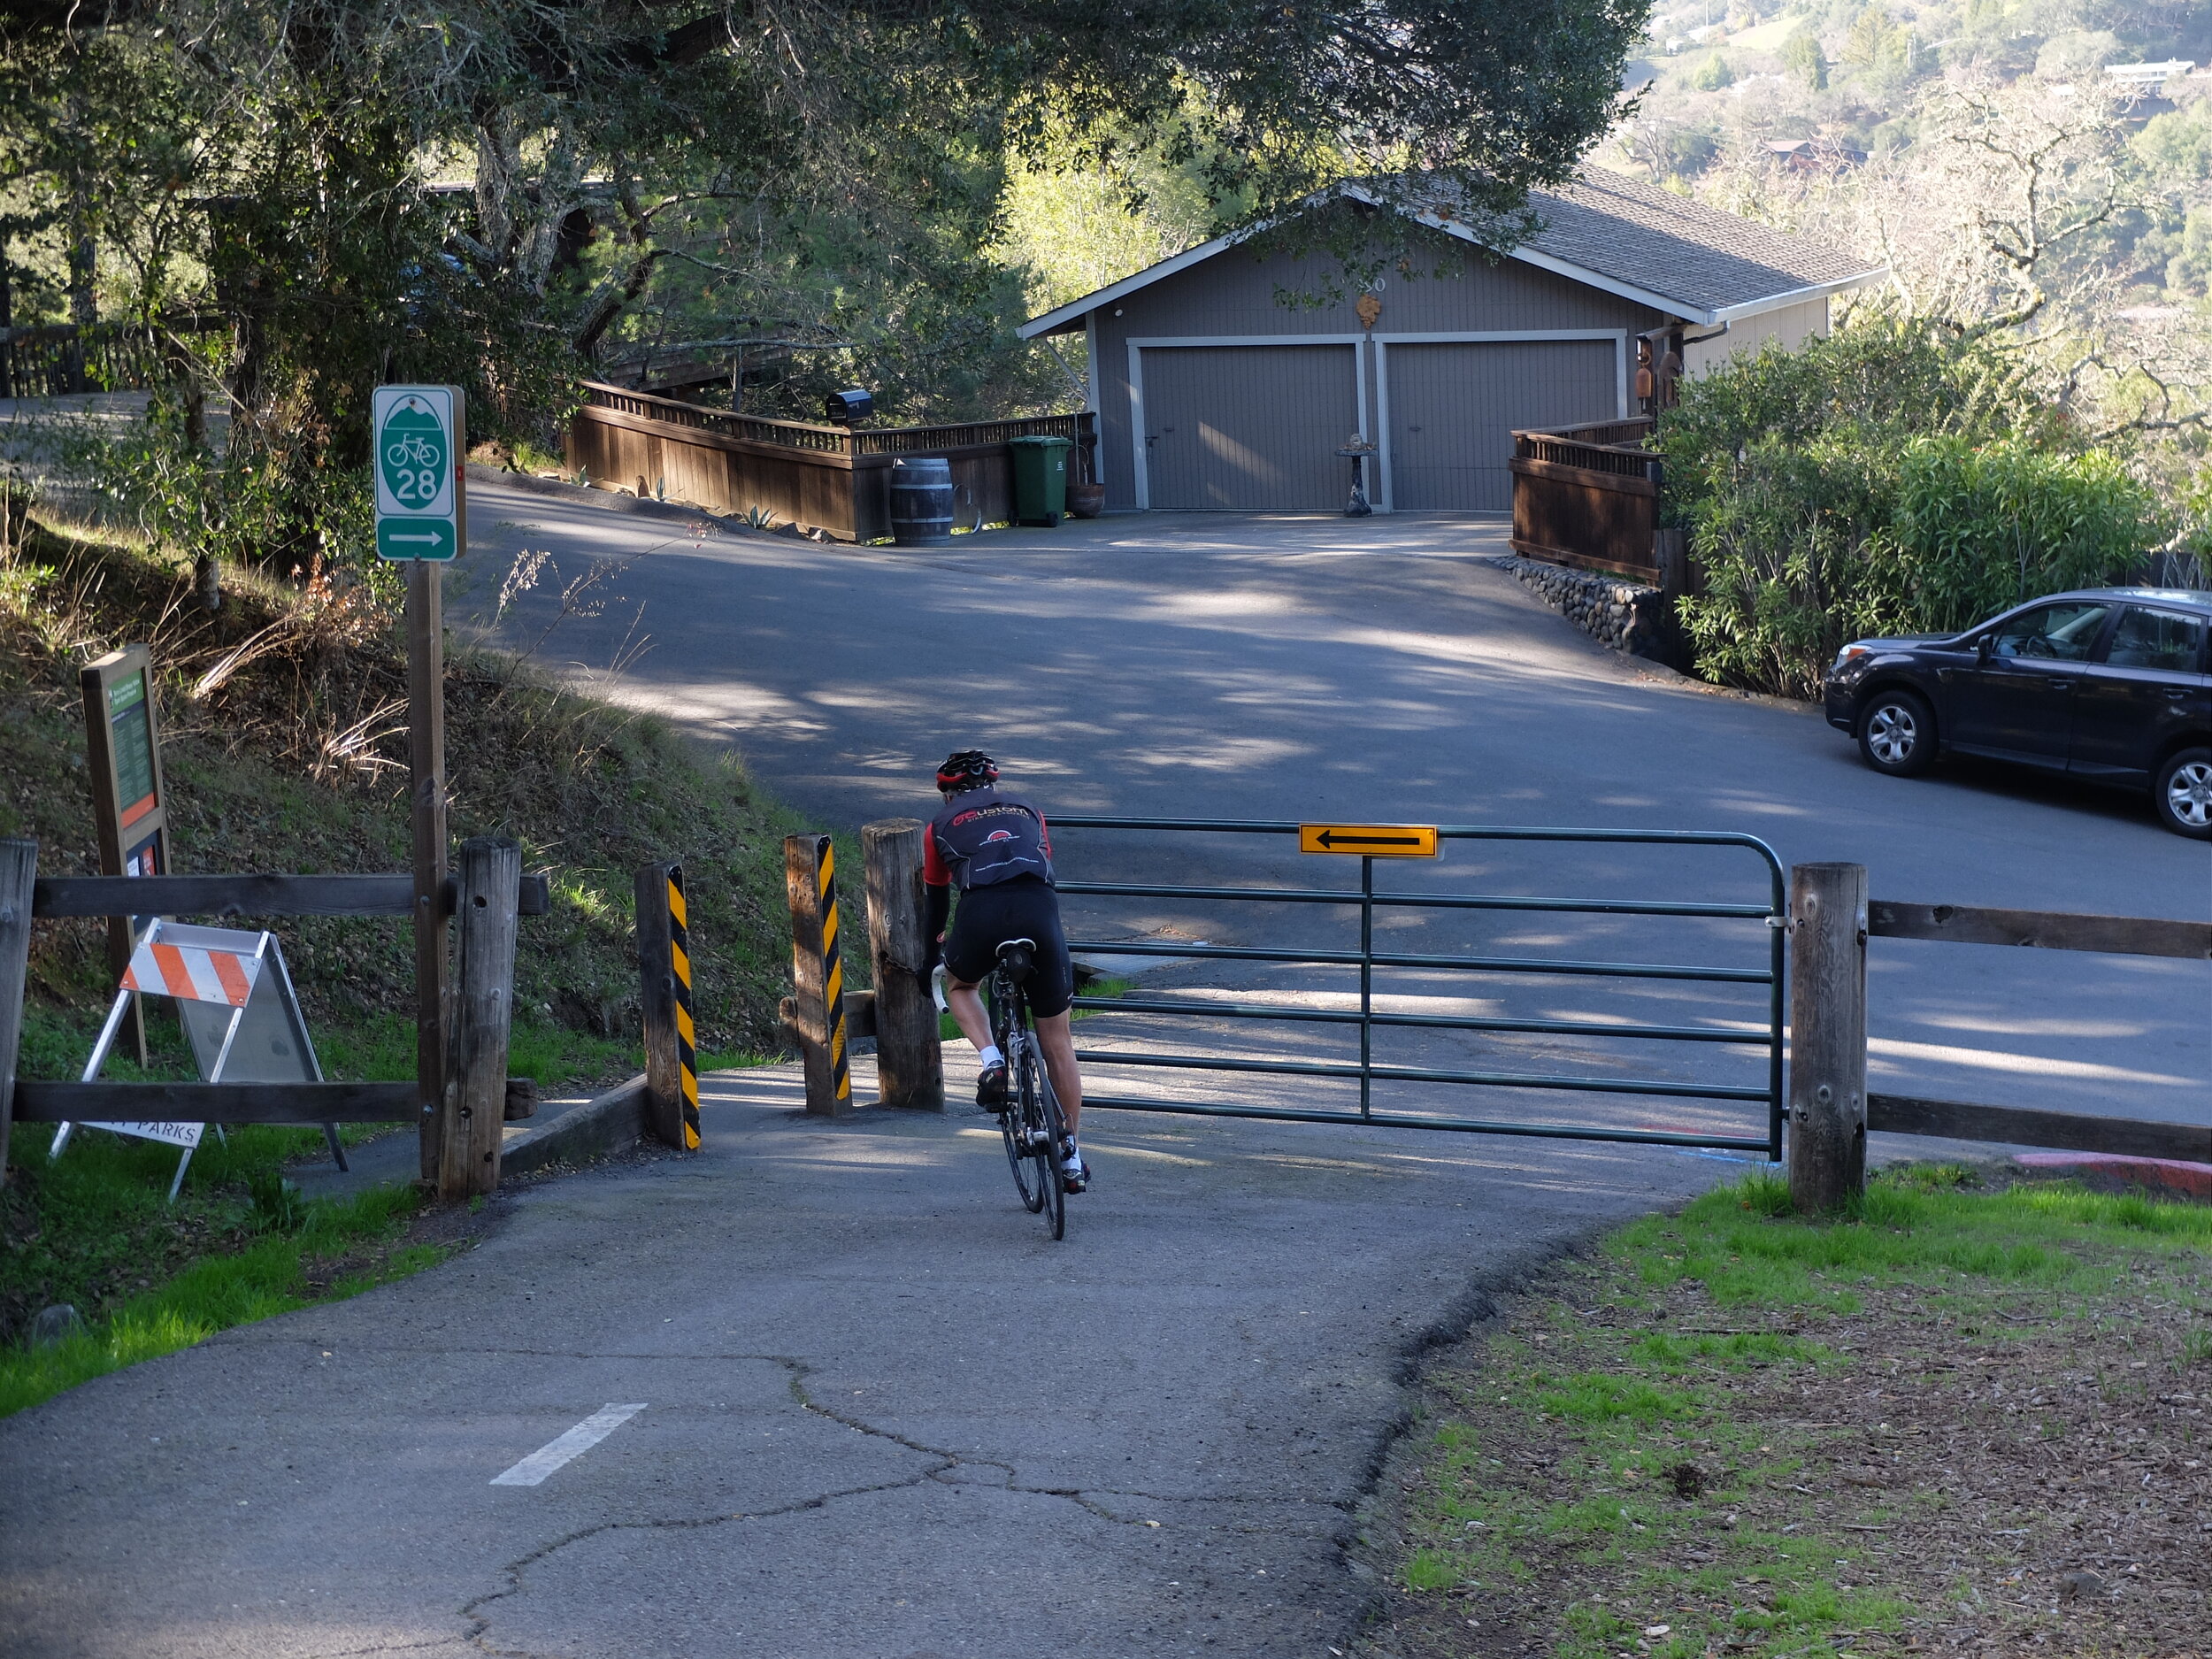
x,y
968,1011
970,952
1049,995
1058,1045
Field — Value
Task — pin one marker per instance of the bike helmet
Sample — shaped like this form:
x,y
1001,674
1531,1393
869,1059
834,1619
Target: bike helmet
x,y
967,769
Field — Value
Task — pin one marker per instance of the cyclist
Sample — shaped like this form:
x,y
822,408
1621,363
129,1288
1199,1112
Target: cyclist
x,y
996,849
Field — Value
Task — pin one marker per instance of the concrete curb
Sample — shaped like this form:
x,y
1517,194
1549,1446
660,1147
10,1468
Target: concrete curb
x,y
612,1122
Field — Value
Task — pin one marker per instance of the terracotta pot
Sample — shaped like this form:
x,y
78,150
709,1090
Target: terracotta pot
x,y
1085,501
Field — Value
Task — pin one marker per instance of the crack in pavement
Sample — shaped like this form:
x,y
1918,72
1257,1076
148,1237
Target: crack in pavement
x,y
946,1464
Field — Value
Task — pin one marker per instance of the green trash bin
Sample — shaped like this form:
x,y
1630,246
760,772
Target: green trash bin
x,y
1040,478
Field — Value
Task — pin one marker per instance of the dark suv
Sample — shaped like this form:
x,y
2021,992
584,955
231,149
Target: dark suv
x,y
2111,685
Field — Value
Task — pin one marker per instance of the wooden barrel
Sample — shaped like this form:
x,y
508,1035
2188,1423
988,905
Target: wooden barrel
x,y
921,502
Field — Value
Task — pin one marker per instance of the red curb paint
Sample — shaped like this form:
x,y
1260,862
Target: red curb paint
x,y
2172,1173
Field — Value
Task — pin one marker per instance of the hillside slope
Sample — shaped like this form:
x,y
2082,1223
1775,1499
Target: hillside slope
x,y
283,743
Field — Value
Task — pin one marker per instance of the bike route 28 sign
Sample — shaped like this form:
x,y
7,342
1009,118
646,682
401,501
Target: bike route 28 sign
x,y
417,432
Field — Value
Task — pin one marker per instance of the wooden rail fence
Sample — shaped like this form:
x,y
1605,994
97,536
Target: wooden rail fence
x,y
1831,1110
831,479
487,894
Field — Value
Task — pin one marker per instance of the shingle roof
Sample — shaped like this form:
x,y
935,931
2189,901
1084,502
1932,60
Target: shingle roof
x,y
1615,232
1639,235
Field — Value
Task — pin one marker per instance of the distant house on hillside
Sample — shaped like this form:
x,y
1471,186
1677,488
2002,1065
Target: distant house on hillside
x,y
1210,394
1814,155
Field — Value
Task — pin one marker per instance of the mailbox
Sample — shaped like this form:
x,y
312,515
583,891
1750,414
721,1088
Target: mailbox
x,y
844,407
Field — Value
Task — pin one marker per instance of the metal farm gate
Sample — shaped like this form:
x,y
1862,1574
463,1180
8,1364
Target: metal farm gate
x,y
1753,947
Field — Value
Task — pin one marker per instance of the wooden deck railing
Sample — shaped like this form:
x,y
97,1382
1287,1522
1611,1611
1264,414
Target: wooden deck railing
x,y
1588,496
57,359
818,477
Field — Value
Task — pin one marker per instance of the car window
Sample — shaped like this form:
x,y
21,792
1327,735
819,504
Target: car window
x,y
2064,633
2156,639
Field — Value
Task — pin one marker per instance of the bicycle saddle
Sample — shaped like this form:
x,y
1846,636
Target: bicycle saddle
x,y
1017,958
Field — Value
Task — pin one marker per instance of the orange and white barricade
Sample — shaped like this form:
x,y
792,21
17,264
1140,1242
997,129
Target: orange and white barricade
x,y
240,1013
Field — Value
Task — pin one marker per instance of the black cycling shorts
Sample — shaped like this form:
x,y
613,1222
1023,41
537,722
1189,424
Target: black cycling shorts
x,y
1025,908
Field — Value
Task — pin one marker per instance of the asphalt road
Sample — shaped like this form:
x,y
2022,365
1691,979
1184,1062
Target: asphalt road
x,y
1225,666
878,1413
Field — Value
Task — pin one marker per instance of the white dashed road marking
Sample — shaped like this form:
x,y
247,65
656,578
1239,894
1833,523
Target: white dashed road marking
x,y
577,1441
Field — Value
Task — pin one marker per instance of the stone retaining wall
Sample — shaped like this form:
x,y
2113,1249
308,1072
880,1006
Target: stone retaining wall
x,y
1624,615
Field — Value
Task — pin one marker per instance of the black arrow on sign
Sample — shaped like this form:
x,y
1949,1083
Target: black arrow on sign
x,y
1330,838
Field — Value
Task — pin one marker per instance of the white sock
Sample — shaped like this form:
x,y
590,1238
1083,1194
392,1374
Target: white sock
x,y
991,1057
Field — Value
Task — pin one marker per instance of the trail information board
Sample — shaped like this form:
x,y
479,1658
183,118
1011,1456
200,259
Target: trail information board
x,y
129,809
419,435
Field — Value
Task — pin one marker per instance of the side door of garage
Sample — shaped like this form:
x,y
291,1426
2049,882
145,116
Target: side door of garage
x,y
1453,409
1249,428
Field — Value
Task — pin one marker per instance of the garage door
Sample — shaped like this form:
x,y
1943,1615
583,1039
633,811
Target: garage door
x,y
1454,409
1254,427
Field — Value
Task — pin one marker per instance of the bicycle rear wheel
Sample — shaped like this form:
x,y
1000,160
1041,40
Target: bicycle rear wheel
x,y
1055,1127
1013,1123
1014,1128
1043,1128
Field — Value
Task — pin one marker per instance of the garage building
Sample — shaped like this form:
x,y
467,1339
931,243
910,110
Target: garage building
x,y
1211,393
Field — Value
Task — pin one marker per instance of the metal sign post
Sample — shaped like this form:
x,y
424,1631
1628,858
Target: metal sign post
x,y
420,434
129,807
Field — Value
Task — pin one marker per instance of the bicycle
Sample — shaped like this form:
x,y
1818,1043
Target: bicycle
x,y
1032,1125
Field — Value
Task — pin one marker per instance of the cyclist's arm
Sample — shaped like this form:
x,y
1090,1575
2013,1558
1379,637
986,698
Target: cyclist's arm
x,y
937,898
938,903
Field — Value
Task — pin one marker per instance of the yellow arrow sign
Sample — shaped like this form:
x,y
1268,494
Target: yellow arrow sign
x,y
1373,841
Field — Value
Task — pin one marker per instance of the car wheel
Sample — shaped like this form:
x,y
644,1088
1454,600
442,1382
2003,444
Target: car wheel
x,y
2183,797
1897,733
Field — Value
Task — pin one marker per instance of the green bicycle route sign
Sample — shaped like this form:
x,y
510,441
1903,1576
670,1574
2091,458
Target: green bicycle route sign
x,y
418,443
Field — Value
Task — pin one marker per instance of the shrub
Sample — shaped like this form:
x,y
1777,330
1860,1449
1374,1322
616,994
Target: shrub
x,y
1885,480
1986,526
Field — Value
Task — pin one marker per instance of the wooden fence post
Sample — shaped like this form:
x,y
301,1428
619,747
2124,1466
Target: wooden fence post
x,y
425,795
1827,1091
910,1065
475,1110
664,960
818,987
18,870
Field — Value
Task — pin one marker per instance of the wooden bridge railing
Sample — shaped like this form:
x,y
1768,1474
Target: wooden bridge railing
x,y
57,359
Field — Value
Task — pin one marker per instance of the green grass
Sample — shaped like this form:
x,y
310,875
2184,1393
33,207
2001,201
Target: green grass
x,y
256,781
1601,1459
92,1229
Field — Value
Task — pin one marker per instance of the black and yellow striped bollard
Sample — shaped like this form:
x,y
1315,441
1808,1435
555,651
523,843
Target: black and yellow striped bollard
x,y
687,1033
671,1039
817,977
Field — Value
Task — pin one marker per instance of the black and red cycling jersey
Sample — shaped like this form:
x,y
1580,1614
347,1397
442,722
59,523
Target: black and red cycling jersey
x,y
983,837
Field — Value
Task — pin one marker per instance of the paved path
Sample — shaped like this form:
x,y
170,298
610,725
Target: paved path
x,y
885,1417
